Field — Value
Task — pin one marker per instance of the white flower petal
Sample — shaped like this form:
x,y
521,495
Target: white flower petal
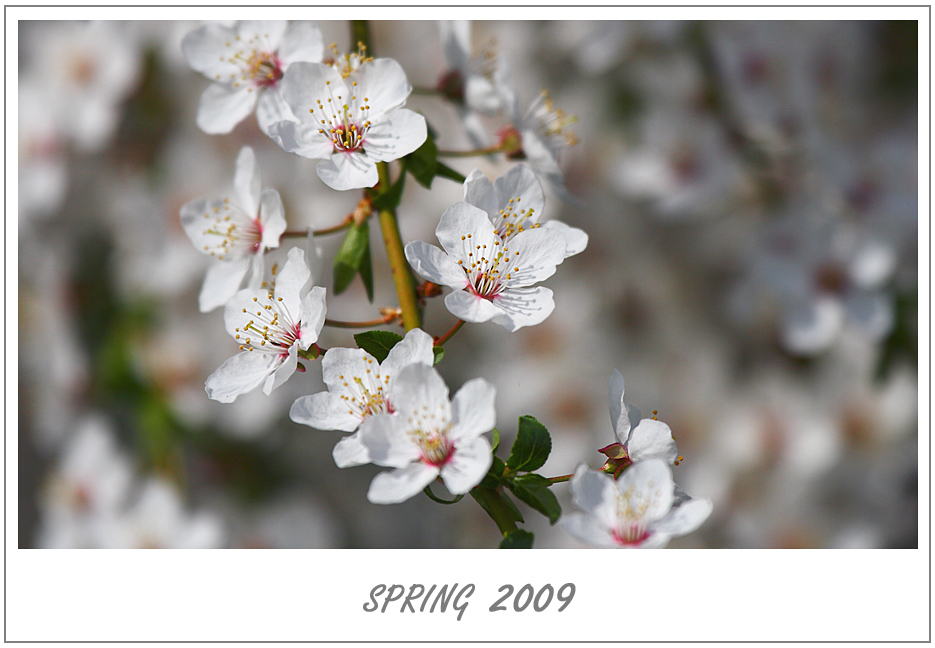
x,y
474,127
247,183
397,486
418,388
652,440
271,109
481,95
523,307
284,371
240,374
312,316
343,171
291,280
240,309
387,441
272,218
256,270
588,530
455,36
416,347
472,410
650,487
871,312
350,452
304,84
223,107
810,327
685,518
520,185
301,139
618,410
302,41
460,222
595,493
192,216
479,191
576,240
467,466
383,83
262,32
205,50
535,253
396,134
431,263
222,281
340,366
324,411
470,307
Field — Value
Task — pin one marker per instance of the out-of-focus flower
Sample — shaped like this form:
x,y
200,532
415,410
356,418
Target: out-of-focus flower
x,y
492,279
235,234
246,63
539,136
158,520
474,84
87,69
637,440
429,436
514,203
43,176
358,387
640,510
271,327
351,122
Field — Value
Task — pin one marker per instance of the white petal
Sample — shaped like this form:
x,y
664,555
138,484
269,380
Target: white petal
x,y
301,42
520,183
192,216
431,263
387,441
467,466
264,32
650,486
312,316
324,411
340,366
291,281
256,270
523,307
482,95
416,347
271,109
588,530
206,51
474,127
595,493
397,134
467,221
812,326
536,253
418,388
343,171
303,84
871,312
301,139
240,374
472,410
383,83
240,309
247,182
272,218
652,440
222,281
455,36
471,308
284,371
397,486
223,107
350,452
576,240
618,410
479,191
685,518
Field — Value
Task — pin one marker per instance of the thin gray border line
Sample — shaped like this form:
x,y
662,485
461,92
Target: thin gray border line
x,y
146,641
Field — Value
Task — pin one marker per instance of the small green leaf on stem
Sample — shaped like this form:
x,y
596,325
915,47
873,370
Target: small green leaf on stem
x,y
496,439
351,257
377,343
389,197
534,490
422,163
532,446
439,354
442,170
519,539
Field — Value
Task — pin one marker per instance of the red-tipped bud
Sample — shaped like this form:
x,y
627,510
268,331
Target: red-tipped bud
x,y
511,143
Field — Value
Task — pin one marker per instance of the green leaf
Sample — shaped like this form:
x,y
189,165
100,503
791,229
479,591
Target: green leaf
x,y
423,162
534,490
442,170
432,496
366,273
496,439
517,539
377,343
439,354
532,446
514,509
492,478
350,257
389,198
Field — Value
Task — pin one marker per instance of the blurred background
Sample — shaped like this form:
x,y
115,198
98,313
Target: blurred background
x,y
750,192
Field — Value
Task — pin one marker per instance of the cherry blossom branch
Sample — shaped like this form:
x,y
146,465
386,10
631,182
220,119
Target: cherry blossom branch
x,y
454,329
563,478
390,316
402,275
484,151
340,227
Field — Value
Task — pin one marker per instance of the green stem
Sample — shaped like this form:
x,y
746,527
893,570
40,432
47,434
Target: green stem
x,y
360,33
351,325
343,225
563,478
484,151
490,501
454,329
402,275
